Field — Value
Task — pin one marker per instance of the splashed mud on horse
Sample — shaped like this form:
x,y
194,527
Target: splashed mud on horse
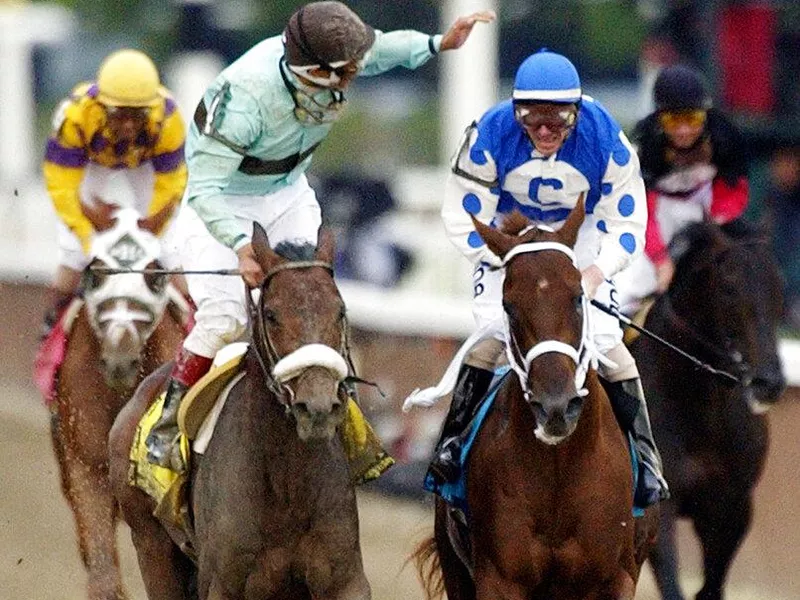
x,y
723,306
120,331
549,483
273,505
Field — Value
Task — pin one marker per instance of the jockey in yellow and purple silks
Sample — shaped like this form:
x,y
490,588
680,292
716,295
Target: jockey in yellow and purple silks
x,y
116,141
252,140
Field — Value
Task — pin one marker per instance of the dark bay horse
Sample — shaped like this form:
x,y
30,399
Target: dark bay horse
x,y
723,307
274,509
549,477
122,332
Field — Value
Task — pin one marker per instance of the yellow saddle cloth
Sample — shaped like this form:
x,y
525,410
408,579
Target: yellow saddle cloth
x,y
365,454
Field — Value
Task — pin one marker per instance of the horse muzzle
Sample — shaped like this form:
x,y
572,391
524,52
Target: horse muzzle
x,y
120,373
317,405
556,418
764,387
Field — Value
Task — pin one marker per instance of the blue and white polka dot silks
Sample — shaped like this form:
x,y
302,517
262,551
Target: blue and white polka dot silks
x,y
498,170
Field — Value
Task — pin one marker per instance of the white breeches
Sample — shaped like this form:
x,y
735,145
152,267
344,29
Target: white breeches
x,y
290,214
129,188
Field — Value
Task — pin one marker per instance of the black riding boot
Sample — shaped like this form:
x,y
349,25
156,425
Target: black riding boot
x,y
161,440
471,386
630,408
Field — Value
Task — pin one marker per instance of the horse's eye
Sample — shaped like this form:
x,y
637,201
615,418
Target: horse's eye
x,y
270,316
343,314
156,282
579,303
93,277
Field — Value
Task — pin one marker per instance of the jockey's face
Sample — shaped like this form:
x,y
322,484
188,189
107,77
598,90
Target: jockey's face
x,y
126,123
547,124
682,128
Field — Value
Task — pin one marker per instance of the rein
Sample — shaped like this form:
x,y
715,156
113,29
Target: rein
x,y
628,322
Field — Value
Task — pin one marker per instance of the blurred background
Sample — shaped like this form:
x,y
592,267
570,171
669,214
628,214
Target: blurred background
x,y
379,177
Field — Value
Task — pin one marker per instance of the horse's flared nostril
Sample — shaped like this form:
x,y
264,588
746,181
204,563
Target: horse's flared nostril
x,y
574,407
769,388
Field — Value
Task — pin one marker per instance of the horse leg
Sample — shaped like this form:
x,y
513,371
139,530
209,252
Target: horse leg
x,y
93,507
458,582
721,531
664,555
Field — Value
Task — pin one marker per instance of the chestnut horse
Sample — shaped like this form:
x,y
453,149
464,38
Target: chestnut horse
x,y
549,483
122,332
274,509
723,307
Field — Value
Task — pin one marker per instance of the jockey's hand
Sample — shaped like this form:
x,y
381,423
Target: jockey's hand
x,y
665,270
100,214
592,277
248,266
459,32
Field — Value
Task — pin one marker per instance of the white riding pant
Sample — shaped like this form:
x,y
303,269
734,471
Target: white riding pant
x,y
290,214
128,188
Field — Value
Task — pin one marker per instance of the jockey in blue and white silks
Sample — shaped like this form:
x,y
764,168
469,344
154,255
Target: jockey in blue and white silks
x,y
252,140
538,153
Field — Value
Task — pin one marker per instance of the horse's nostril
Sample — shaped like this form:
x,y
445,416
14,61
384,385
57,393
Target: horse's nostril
x,y
769,388
539,412
574,407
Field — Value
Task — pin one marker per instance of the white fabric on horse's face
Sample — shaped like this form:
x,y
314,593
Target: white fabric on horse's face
x,y
310,355
125,246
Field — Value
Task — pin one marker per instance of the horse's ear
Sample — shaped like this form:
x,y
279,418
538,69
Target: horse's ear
x,y
265,255
325,245
569,231
497,241
100,214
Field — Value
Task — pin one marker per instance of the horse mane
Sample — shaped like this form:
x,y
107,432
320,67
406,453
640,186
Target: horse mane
x,y
294,251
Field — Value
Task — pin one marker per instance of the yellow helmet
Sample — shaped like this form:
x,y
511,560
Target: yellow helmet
x,y
128,78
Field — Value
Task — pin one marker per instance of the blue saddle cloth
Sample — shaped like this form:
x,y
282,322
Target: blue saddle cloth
x,y
455,493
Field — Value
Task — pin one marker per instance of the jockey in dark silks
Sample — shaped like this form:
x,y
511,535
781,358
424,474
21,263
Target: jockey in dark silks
x,y
694,166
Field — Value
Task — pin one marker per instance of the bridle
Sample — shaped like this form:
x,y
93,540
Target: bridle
x,y
584,356
279,370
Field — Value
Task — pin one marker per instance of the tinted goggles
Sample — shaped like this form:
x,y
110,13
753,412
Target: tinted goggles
x,y
342,69
674,119
557,118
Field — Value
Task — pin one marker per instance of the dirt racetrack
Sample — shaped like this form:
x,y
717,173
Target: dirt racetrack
x,y
38,553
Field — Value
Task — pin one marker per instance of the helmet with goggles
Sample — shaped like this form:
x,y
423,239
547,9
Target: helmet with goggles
x,y
326,35
547,77
128,78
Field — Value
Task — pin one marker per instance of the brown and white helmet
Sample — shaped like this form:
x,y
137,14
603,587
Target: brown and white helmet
x,y
327,34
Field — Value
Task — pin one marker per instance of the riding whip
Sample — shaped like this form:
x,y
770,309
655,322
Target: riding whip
x,y
628,322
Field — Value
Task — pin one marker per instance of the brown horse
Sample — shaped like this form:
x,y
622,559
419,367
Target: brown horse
x,y
273,505
723,307
549,480
122,332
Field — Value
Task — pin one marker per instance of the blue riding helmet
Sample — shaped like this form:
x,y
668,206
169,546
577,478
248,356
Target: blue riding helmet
x,y
547,77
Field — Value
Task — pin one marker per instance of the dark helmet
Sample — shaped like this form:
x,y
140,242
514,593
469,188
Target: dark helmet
x,y
679,87
321,33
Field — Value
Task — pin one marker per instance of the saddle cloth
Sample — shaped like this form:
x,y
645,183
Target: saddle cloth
x,y
455,493
197,416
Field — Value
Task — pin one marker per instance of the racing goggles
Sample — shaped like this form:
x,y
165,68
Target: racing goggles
x,y
558,118
337,71
671,120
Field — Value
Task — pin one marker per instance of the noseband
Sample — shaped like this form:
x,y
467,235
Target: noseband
x,y
584,356
278,370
